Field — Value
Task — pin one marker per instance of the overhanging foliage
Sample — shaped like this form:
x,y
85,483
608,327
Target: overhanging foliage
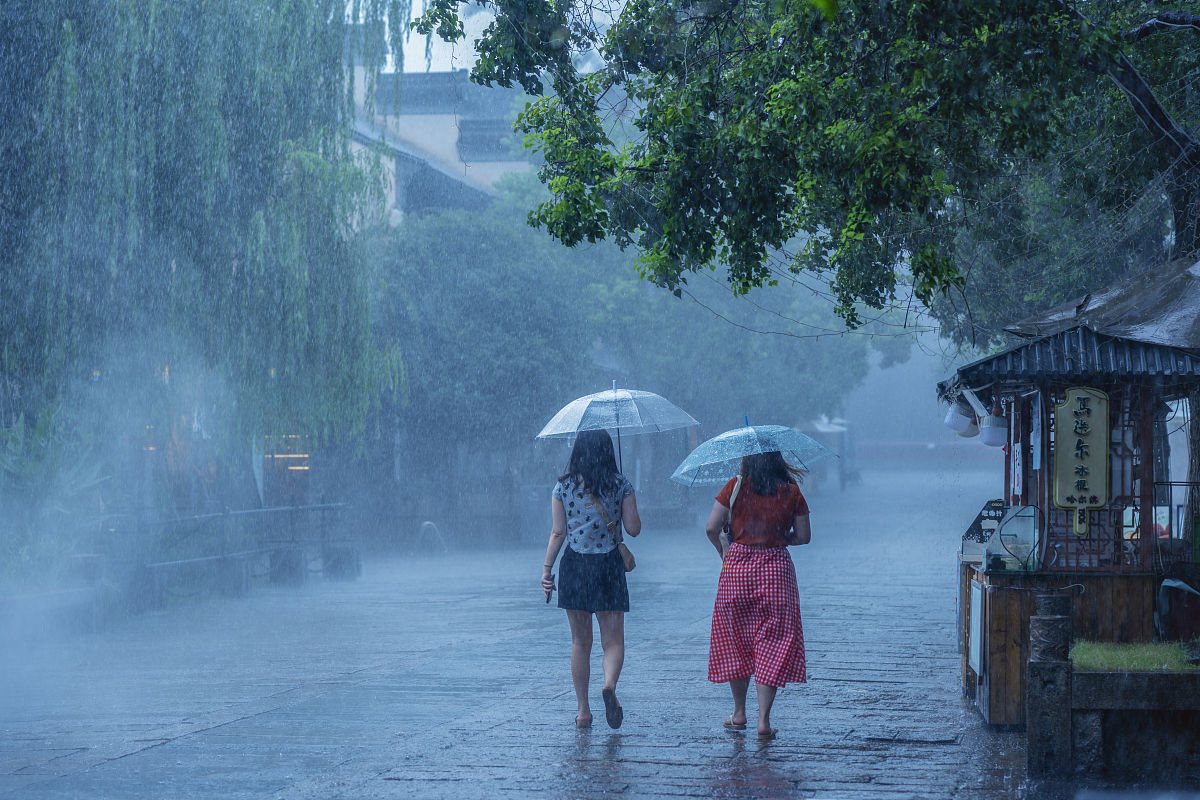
x,y
769,139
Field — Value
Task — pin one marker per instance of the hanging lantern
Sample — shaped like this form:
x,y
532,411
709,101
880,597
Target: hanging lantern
x,y
993,429
959,417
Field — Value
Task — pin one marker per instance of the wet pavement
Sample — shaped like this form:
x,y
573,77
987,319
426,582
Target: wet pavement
x,y
447,676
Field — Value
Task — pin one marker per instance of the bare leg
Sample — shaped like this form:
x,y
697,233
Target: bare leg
x,y
612,640
766,698
581,658
739,687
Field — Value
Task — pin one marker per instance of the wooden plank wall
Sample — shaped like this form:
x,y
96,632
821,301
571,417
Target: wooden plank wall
x,y
964,629
1111,608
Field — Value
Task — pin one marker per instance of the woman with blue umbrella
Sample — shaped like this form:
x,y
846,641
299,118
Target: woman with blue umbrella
x,y
756,627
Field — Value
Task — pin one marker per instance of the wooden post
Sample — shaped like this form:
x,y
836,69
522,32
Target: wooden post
x,y
1048,688
1145,447
1191,525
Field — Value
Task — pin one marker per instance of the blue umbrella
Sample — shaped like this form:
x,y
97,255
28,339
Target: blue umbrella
x,y
717,460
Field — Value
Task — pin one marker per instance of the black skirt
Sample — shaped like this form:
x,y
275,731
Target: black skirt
x,y
592,581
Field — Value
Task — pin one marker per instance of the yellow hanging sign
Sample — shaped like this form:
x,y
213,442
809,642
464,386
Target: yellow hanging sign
x,y
1081,454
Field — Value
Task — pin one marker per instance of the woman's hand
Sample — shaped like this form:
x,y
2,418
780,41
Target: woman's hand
x,y
558,532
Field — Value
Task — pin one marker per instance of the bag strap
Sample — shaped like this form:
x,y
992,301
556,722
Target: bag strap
x,y
737,487
614,528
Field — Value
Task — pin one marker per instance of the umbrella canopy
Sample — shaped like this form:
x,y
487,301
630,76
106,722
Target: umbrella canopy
x,y
717,460
621,410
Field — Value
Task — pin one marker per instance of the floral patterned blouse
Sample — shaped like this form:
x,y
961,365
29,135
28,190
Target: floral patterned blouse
x,y
585,526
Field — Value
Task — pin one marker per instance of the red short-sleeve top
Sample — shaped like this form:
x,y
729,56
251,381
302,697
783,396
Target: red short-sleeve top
x,y
763,520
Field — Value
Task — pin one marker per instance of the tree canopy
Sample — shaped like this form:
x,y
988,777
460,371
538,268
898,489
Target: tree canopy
x,y
499,327
765,138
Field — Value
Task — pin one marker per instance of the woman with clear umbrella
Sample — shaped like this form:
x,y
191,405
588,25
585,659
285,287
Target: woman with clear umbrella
x,y
591,502
756,627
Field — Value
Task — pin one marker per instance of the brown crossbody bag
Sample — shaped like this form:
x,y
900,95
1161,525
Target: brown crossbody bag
x,y
614,529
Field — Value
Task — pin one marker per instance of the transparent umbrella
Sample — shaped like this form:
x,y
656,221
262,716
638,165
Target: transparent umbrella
x,y
717,460
625,411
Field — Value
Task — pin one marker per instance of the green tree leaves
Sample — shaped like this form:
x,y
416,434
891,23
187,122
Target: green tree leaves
x,y
855,138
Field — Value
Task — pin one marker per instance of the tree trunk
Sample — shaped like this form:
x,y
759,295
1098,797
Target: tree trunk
x,y
1183,183
1193,495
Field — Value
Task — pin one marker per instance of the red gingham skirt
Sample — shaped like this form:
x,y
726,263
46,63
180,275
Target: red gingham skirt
x,y
756,626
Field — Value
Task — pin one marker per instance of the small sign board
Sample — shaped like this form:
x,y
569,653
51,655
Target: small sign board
x,y
1081,453
986,522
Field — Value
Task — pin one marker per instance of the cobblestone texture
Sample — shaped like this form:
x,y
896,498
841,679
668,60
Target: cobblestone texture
x,y
447,676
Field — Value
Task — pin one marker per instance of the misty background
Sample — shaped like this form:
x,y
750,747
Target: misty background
x,y
269,309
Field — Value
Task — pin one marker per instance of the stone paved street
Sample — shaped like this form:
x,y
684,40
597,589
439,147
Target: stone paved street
x,y
446,676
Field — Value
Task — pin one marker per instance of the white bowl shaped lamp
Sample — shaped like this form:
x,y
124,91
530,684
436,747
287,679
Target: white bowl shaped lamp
x,y
959,418
993,430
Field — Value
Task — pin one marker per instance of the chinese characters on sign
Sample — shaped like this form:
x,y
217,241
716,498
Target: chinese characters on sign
x,y
1017,479
1081,454
1035,432
986,522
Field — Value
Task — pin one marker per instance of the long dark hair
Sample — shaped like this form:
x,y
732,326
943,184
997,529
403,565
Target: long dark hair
x,y
766,472
593,463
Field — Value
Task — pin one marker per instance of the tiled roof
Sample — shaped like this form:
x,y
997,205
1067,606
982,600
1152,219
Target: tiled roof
x,y
1080,354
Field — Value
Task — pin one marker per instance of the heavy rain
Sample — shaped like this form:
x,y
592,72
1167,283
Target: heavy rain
x,y
673,399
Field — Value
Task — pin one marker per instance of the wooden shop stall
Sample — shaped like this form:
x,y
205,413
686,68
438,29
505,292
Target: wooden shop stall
x,y
1090,405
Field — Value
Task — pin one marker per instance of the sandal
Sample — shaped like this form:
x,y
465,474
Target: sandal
x,y
734,726
583,722
613,713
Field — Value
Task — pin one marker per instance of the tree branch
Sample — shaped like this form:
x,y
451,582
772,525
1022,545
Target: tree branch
x,y
1164,21
1177,141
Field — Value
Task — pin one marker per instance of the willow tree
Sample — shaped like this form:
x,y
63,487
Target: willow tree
x,y
179,218
178,187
